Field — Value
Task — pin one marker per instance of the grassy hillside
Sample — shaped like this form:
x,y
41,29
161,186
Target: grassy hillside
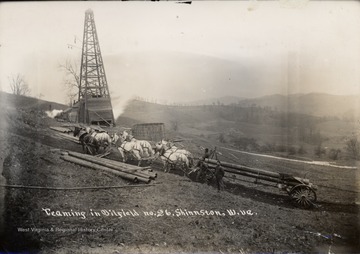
x,y
16,101
316,104
249,128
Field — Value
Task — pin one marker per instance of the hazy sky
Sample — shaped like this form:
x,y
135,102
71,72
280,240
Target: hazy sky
x,y
180,52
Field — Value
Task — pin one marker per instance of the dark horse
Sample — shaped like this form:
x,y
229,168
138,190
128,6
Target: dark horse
x,y
89,144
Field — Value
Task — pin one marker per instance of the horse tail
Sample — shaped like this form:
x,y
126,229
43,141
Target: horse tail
x,y
109,139
151,151
147,146
190,157
185,160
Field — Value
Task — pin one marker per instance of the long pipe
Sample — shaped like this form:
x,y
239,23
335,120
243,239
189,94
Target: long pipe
x,y
127,166
99,167
144,170
116,167
292,182
119,165
109,165
260,172
246,169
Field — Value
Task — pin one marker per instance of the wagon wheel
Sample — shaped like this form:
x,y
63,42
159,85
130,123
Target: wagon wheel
x,y
303,196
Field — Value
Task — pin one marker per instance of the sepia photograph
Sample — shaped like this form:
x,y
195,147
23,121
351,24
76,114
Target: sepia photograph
x,y
180,127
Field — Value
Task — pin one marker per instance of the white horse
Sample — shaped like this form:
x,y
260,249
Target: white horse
x,y
146,146
102,137
170,146
148,151
173,159
128,148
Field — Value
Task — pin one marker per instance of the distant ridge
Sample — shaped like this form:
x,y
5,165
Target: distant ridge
x,y
226,100
316,104
18,101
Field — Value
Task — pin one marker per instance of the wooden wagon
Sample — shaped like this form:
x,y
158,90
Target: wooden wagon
x,y
300,190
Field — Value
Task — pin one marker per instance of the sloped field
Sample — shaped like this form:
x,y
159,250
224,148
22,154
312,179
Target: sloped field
x,y
172,214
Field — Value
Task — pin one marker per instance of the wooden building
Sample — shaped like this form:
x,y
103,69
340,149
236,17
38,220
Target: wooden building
x,y
149,131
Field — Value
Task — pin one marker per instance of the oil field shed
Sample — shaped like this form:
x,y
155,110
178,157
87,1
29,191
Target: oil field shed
x,y
149,131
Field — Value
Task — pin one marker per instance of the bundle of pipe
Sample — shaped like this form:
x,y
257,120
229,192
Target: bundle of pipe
x,y
117,165
126,171
258,173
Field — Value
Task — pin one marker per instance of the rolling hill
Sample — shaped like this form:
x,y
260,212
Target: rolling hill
x,y
258,128
16,101
264,109
316,104
257,121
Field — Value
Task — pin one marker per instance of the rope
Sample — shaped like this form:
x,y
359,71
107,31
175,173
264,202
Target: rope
x,y
72,188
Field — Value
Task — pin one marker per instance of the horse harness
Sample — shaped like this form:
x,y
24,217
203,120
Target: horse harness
x,y
162,153
123,147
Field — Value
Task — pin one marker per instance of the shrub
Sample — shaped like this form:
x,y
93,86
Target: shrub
x,y
319,150
353,148
280,148
334,154
291,150
301,150
267,148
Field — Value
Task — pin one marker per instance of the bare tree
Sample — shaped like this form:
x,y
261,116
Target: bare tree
x,y
353,147
72,78
18,85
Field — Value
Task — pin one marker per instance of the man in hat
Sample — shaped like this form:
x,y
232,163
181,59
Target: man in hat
x,y
219,174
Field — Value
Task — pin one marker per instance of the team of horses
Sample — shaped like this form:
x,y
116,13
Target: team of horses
x,y
94,142
129,146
